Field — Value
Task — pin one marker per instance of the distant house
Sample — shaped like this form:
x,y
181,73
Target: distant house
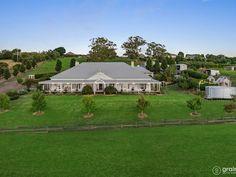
x,y
100,75
211,79
212,72
220,92
223,81
180,68
230,68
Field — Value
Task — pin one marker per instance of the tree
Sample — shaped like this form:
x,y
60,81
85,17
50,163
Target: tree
x,y
163,64
142,104
157,67
15,72
6,74
22,68
39,103
60,50
28,83
89,106
72,62
133,47
180,57
101,49
155,50
194,104
4,102
58,66
28,64
149,65
34,63
19,80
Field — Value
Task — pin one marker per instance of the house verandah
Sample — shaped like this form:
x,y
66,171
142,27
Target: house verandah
x,y
126,86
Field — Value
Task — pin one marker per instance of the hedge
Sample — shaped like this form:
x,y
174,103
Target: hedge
x,y
110,90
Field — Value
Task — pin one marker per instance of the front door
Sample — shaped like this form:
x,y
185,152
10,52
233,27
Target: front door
x,y
100,86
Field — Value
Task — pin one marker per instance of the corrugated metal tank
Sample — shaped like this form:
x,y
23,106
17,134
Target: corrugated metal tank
x,y
219,92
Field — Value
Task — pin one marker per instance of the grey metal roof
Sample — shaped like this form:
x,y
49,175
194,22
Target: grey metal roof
x,y
142,69
115,70
152,81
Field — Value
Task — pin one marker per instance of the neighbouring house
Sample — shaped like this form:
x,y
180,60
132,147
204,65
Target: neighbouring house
x,y
212,72
99,75
230,68
220,92
211,79
223,81
180,68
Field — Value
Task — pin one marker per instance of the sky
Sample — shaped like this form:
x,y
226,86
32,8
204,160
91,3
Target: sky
x,y
191,26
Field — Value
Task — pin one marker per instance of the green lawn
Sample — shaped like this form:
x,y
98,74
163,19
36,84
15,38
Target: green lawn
x,y
68,110
147,152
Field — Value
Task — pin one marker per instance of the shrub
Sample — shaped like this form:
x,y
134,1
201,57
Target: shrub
x,y
19,80
28,83
13,95
22,92
39,102
87,90
142,104
110,90
6,74
230,108
194,104
89,105
44,75
4,102
22,68
195,74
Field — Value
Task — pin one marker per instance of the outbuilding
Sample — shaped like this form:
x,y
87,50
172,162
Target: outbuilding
x,y
220,92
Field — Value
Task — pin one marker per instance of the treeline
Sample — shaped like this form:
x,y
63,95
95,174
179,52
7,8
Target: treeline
x,y
209,58
27,60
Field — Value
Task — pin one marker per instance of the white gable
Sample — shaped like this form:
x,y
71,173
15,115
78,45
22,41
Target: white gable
x,y
100,76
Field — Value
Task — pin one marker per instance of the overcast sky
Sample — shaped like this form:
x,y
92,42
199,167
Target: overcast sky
x,y
191,26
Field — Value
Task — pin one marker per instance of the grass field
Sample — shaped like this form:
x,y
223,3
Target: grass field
x,y
68,110
49,66
148,152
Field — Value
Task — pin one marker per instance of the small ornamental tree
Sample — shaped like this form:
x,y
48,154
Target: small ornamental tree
x,y
89,106
6,74
28,65
28,83
15,72
142,105
230,108
22,68
87,90
4,102
39,103
58,66
194,104
72,62
34,63
19,80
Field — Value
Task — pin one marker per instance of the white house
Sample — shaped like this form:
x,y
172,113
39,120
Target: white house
x,y
220,92
99,75
212,72
180,68
223,81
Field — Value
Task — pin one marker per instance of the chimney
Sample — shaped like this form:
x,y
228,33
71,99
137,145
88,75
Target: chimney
x,y
132,63
76,63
